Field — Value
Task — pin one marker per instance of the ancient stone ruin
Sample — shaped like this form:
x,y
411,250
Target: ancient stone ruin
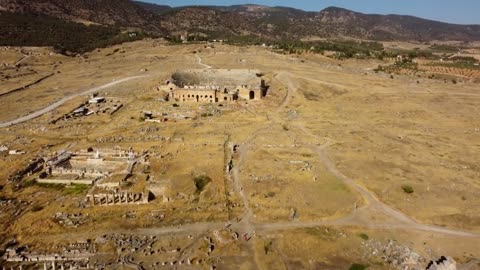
x,y
117,198
215,85
444,263
87,167
71,258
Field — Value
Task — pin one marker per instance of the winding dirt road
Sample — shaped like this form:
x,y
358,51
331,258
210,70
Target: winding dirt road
x,y
373,204
388,217
393,218
199,61
59,103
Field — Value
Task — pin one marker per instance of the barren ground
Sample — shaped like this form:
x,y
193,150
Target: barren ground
x,y
322,158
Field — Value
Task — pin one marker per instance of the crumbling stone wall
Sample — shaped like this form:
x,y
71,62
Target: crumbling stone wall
x,y
219,85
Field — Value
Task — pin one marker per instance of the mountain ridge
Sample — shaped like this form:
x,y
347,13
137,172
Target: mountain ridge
x,y
265,22
332,22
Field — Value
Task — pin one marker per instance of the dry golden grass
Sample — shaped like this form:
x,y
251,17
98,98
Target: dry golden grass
x,y
384,133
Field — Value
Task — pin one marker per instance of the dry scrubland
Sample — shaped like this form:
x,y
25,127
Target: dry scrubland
x,y
324,123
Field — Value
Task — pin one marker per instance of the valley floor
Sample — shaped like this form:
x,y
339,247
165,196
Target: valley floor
x,y
337,165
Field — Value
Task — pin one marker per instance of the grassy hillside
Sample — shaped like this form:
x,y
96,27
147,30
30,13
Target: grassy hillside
x,y
66,37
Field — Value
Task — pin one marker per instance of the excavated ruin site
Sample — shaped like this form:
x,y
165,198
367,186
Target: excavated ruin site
x,y
154,156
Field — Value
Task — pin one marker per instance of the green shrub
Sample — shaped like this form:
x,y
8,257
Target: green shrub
x,y
76,189
379,68
267,247
270,194
129,184
407,189
51,186
364,236
29,183
37,208
311,96
201,182
357,266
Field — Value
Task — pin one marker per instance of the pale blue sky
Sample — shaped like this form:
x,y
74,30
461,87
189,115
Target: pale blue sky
x,y
454,11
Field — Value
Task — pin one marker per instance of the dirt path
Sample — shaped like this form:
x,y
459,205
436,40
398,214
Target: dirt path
x,y
164,230
24,57
373,204
360,217
246,225
291,89
401,220
63,100
199,61
351,221
373,215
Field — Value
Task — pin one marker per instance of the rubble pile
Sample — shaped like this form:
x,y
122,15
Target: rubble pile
x,y
127,242
260,178
70,220
444,263
12,207
397,256
118,139
145,130
34,166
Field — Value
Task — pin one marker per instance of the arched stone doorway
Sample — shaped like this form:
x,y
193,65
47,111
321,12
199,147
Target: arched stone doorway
x,y
197,98
252,95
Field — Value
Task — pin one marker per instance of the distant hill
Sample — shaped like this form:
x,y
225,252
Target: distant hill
x,y
157,9
124,13
227,22
332,22
65,37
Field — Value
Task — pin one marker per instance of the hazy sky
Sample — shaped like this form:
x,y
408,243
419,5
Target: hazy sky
x,y
454,11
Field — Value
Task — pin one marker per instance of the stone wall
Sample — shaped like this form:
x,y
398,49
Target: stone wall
x,y
118,198
212,86
81,172
194,95
67,181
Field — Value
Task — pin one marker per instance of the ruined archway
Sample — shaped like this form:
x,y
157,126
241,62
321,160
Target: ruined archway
x,y
197,98
252,95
